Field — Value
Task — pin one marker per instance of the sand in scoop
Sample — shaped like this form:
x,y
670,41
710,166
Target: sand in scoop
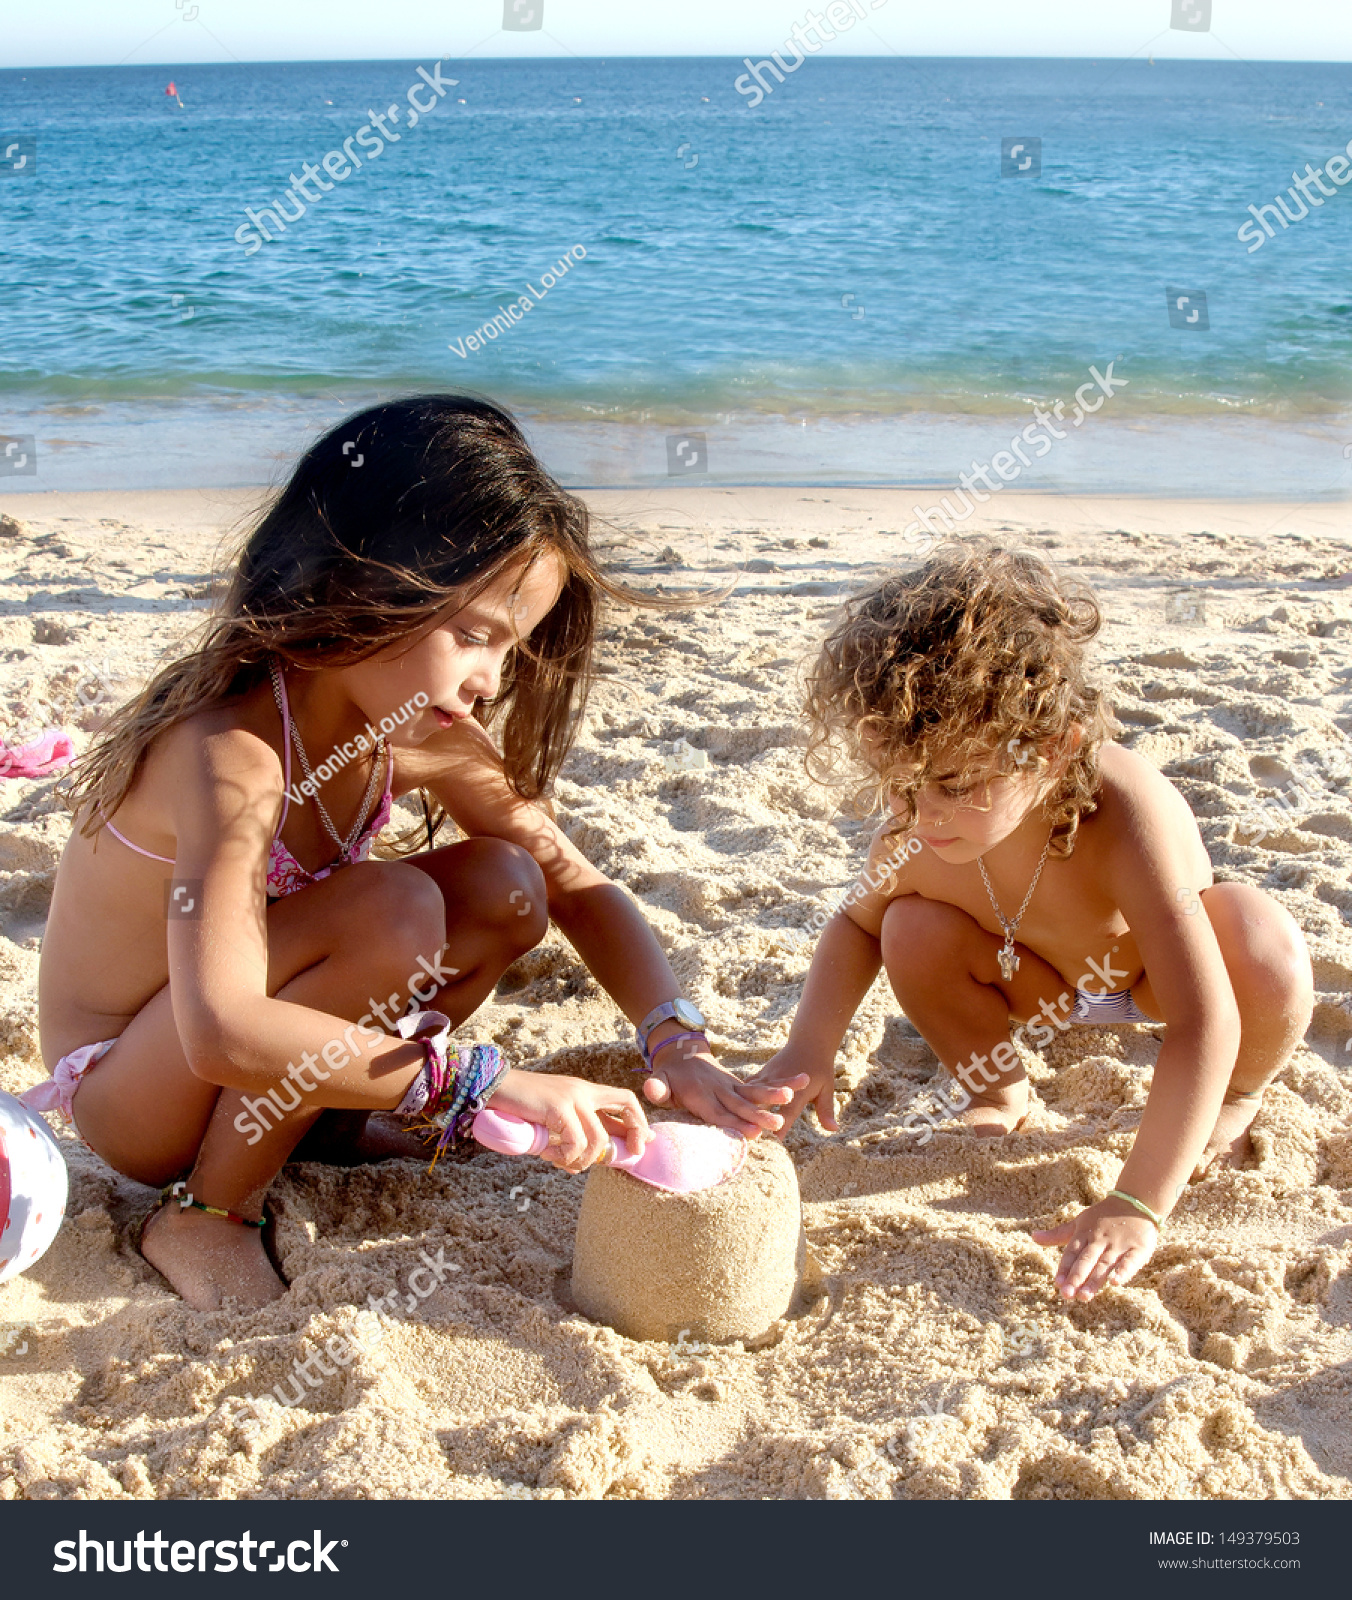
x,y
722,1263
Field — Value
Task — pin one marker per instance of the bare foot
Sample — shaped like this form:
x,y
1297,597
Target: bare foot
x,y
992,1112
352,1138
1229,1144
208,1258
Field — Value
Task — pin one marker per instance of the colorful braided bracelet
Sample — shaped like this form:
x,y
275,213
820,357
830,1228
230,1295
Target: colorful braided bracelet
x,y
448,1087
438,1069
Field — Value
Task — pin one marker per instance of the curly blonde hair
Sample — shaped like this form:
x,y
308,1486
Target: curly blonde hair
x,y
948,671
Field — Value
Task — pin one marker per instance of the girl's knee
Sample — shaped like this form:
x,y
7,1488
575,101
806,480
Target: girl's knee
x,y
517,901
1264,950
400,903
920,933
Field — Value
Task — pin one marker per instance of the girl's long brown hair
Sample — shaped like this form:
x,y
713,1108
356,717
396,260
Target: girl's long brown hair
x,y
387,520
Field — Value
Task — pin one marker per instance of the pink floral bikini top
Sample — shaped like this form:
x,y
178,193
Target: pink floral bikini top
x,y
285,873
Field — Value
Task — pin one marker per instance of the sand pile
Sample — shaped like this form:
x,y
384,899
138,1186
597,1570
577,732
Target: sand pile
x,y
722,1263
938,1362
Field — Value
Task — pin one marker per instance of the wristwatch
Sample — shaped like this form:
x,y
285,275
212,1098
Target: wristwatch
x,y
688,1015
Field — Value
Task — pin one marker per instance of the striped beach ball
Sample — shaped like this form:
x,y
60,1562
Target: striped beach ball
x,y
33,1187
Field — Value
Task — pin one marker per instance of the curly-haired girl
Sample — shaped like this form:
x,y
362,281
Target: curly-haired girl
x,y
1061,879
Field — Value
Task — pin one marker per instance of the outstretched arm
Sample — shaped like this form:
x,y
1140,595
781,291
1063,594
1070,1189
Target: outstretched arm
x,y
1155,849
844,965
606,929
843,968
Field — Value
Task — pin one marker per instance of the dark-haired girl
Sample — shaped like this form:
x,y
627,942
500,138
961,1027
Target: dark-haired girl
x,y
223,963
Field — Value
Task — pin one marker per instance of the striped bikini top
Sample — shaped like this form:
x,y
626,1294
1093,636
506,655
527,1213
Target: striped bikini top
x,y
285,873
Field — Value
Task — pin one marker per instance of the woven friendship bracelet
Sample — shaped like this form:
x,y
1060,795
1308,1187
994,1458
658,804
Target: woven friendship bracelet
x,y
468,1090
480,1075
438,1071
1121,1194
451,1090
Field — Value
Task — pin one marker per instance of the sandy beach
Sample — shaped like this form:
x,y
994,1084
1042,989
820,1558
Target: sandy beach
x,y
936,1362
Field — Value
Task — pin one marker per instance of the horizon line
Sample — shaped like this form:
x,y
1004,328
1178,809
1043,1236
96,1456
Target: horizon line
x,y
565,57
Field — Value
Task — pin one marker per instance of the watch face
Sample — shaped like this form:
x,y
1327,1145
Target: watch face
x,y
687,1015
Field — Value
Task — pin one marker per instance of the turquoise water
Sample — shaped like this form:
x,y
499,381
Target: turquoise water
x,y
836,285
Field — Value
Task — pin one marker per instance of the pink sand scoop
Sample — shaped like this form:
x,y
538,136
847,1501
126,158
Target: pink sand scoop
x,y
679,1157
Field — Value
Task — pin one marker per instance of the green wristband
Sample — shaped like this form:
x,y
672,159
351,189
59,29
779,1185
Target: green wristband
x,y
1155,1217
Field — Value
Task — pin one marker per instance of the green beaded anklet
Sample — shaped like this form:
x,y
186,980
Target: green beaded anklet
x,y
175,1191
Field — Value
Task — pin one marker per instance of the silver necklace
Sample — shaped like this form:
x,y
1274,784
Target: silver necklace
x,y
345,846
1009,962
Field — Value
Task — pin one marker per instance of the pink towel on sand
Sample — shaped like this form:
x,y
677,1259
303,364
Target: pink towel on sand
x,y
39,757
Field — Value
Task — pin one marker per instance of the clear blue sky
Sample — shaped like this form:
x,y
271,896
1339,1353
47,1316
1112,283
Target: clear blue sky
x,y
106,32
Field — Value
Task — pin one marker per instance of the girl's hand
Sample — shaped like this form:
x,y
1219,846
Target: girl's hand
x,y
697,1084
1108,1243
581,1117
804,1080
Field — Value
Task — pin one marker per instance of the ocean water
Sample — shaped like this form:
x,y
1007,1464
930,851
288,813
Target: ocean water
x,y
836,285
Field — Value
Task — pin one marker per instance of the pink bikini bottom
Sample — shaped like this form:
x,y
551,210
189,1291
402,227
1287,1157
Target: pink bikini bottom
x,y
57,1093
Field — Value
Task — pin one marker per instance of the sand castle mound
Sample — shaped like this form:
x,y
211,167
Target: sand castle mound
x,y
723,1263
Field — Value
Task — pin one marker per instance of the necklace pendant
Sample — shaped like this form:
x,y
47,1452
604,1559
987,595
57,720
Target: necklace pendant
x,y
1009,962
